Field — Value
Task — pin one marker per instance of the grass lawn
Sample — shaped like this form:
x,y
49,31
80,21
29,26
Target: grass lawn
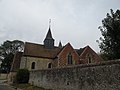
x,y
28,87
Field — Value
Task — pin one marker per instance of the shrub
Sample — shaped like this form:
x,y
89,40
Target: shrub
x,y
22,76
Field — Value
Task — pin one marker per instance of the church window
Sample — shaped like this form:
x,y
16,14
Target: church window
x,y
49,65
89,58
33,65
70,58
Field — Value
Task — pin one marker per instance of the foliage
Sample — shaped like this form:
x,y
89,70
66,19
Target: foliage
x,y
109,43
6,63
103,56
22,76
7,51
11,47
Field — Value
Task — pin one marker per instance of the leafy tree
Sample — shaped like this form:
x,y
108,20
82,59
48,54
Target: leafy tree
x,y
22,76
6,63
7,51
109,43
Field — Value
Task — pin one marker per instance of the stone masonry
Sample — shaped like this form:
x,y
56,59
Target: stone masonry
x,y
100,76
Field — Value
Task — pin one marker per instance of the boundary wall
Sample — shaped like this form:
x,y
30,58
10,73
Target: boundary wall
x,y
100,76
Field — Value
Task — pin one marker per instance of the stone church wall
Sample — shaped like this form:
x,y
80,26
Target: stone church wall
x,y
101,76
40,63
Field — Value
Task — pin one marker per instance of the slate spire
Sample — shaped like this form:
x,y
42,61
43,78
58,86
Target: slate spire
x,y
49,41
49,35
60,45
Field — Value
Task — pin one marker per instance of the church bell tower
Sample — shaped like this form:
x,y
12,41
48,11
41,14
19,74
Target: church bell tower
x,y
49,41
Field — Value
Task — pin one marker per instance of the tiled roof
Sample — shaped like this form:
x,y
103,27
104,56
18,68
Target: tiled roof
x,y
79,51
16,61
38,50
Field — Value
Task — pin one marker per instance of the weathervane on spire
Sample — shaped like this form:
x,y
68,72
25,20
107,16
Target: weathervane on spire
x,y
49,23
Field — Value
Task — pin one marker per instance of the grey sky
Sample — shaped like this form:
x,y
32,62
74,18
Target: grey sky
x,y
74,21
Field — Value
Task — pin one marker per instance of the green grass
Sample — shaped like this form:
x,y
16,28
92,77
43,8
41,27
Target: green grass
x,y
28,87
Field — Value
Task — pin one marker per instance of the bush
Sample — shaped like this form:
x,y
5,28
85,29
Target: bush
x,y
22,76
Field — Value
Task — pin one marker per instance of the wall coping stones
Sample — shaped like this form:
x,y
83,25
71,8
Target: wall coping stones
x,y
102,63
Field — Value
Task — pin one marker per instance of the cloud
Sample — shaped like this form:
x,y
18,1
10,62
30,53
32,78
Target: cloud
x,y
74,21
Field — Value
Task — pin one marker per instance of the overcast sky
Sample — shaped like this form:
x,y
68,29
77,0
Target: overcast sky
x,y
74,21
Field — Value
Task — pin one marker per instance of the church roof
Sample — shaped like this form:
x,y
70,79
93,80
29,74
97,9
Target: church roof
x,y
79,51
38,50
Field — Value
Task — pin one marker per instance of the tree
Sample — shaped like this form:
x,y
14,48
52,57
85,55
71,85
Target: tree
x,y
109,43
6,63
7,51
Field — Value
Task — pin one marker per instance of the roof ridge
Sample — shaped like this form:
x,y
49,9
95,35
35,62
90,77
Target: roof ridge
x,y
34,43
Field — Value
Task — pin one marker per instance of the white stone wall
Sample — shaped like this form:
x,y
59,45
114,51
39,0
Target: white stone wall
x,y
40,63
23,62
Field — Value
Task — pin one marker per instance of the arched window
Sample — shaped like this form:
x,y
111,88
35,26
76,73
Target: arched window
x,y
89,58
49,65
33,65
70,58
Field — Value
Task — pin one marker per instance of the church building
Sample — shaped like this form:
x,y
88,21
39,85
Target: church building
x,y
48,56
